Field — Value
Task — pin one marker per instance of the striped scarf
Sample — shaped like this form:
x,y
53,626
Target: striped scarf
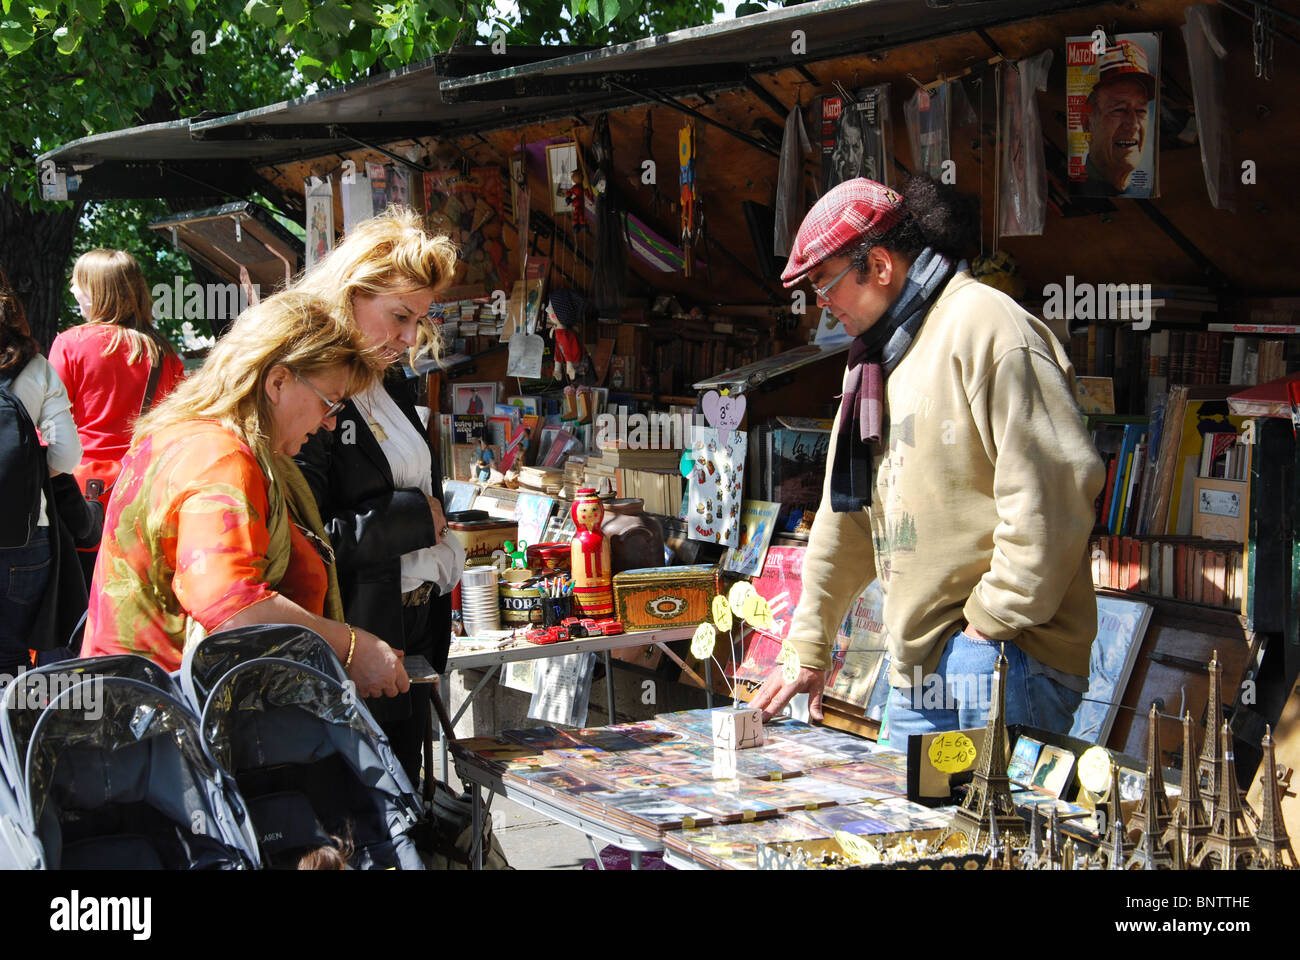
x,y
872,357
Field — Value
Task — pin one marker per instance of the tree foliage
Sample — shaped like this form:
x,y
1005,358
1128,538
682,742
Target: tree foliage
x,y
74,68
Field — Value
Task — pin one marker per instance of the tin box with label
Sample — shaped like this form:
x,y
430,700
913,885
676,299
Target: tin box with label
x,y
649,598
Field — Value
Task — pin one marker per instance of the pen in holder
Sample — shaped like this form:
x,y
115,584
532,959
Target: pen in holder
x,y
556,610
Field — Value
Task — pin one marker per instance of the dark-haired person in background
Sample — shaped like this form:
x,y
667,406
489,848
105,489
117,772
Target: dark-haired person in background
x,y
959,464
42,590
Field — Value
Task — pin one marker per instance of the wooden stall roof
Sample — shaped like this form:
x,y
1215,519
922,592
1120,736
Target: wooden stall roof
x,y
743,75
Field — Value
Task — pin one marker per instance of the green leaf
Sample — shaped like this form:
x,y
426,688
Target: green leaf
x,y
360,39
605,11
293,10
15,39
91,11
262,13
402,48
143,15
69,38
446,8
745,9
331,18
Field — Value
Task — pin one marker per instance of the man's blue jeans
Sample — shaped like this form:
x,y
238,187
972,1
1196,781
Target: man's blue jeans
x,y
959,694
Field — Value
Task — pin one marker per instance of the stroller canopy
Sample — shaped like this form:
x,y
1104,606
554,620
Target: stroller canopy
x,y
116,778
310,764
211,658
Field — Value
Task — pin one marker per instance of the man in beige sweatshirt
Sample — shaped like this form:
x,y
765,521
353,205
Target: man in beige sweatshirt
x,y
969,496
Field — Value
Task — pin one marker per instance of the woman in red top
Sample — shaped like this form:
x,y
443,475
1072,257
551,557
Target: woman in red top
x,y
199,534
105,363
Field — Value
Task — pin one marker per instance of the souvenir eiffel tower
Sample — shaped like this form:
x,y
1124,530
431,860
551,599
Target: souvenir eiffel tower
x,y
1189,823
1032,856
1152,815
1228,845
1210,766
1110,810
1053,861
1272,839
989,793
1000,855
1118,856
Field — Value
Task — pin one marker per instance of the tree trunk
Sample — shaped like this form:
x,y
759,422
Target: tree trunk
x,y
35,246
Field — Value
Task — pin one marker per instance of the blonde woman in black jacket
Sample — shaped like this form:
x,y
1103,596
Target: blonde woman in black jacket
x,y
374,475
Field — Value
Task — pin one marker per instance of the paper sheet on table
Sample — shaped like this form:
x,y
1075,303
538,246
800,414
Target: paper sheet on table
x,y
563,690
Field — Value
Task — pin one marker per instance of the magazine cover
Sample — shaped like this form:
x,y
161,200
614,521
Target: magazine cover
x,y
781,585
319,195
757,523
1112,108
855,137
1121,624
859,645
467,207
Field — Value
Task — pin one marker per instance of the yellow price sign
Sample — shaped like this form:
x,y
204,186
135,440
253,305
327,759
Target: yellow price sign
x,y
1094,770
740,591
952,752
702,641
789,659
721,613
856,848
757,613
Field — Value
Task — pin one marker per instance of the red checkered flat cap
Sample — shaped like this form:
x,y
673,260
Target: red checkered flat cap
x,y
852,212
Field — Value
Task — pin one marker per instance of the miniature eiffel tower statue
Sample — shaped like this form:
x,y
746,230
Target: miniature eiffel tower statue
x,y
1111,809
1154,794
1032,856
1151,852
989,793
1228,845
1209,768
1000,855
1117,854
1069,855
1189,823
1274,842
1053,861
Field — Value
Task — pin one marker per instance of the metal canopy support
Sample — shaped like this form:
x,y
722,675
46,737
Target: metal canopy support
x,y
567,84
682,108
760,91
1213,275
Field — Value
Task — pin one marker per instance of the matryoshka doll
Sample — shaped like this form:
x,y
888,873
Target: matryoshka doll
x,y
589,557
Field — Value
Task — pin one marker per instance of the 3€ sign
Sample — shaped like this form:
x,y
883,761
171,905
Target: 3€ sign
x,y
723,412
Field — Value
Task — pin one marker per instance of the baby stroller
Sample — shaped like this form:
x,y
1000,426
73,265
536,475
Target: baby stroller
x,y
280,716
109,772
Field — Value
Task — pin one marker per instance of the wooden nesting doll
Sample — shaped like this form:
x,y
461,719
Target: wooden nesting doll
x,y
589,557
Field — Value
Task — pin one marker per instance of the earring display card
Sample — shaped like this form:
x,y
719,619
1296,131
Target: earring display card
x,y
715,488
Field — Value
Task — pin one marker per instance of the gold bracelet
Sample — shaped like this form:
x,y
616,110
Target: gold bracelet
x,y
352,646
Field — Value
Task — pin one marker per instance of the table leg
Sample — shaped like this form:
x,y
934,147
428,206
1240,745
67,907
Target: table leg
x,y
476,841
708,681
636,859
600,864
609,686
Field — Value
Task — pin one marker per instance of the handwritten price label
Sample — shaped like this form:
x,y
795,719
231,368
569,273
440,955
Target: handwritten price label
x,y
757,613
738,594
721,614
702,641
789,659
952,752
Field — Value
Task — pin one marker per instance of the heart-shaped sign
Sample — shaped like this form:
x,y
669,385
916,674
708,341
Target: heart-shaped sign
x,y
723,412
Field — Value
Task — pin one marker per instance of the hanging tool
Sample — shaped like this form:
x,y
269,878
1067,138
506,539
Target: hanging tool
x,y
686,171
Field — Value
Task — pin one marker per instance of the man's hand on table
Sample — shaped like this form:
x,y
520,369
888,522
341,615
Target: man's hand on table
x,y
776,693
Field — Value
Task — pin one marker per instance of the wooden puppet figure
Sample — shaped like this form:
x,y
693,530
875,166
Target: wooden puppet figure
x,y
589,557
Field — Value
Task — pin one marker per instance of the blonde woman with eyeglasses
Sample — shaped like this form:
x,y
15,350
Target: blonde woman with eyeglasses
x,y
199,534
374,475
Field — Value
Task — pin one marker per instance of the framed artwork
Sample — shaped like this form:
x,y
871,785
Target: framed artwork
x,y
474,398
561,161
